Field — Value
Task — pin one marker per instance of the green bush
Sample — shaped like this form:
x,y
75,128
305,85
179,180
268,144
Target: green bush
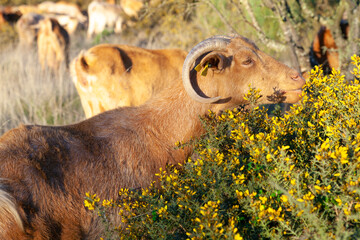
x,y
259,176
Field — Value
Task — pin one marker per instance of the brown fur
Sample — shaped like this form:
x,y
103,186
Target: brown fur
x,y
131,7
24,9
3,20
108,76
53,44
9,15
70,24
325,50
27,29
63,8
103,15
48,170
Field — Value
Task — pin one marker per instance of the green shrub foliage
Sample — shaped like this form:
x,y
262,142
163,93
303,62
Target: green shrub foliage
x,y
256,175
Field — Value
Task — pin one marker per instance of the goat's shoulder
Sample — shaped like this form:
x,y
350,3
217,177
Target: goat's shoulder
x,y
115,124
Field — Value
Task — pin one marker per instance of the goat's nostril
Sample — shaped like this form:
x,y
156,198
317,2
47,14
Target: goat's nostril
x,y
295,77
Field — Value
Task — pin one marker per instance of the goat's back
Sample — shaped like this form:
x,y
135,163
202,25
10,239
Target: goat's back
x,y
108,76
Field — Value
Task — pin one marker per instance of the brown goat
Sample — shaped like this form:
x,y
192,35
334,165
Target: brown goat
x,y
324,50
131,7
27,28
53,44
62,8
108,76
103,15
46,171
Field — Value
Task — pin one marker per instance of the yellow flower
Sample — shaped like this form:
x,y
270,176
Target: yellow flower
x,y
357,206
263,199
268,157
284,198
325,145
238,237
344,161
239,194
293,181
346,211
106,203
300,213
89,205
309,196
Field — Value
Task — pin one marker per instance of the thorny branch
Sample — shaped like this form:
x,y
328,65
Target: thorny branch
x,y
298,55
254,23
222,17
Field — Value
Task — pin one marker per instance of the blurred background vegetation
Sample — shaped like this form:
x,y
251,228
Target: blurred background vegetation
x,y
284,29
278,27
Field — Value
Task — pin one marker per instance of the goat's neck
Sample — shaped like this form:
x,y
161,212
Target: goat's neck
x,y
175,117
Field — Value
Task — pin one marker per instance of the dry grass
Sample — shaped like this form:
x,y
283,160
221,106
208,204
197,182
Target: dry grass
x,y
30,96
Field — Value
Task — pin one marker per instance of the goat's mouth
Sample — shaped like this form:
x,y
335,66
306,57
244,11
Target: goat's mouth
x,y
293,91
293,96
288,96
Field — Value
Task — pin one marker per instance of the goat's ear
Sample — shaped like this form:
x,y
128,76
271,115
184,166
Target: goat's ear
x,y
213,60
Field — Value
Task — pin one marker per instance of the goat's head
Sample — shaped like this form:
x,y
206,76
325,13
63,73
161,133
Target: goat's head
x,y
232,64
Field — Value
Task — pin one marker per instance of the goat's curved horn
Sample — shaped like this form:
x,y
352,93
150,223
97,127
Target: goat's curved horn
x,y
214,43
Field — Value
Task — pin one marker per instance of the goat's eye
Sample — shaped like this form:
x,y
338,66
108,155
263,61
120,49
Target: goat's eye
x,y
247,61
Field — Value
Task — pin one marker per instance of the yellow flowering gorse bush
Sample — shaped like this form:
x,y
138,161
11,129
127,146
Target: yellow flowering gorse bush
x,y
259,175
